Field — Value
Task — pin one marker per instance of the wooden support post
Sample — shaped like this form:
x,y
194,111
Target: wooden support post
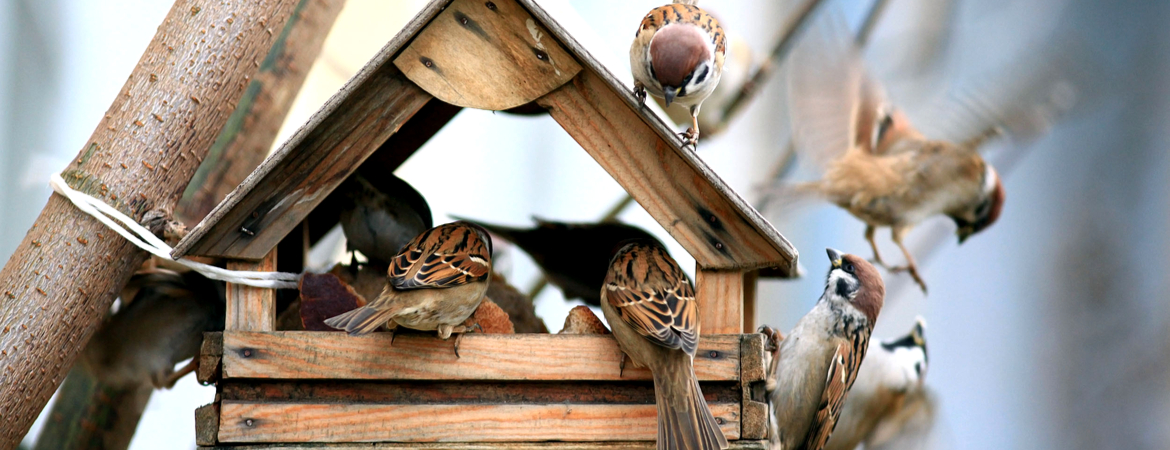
x,y
66,272
721,300
750,279
249,308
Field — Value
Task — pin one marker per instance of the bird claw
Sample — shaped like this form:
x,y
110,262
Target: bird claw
x,y
640,93
913,274
622,365
690,137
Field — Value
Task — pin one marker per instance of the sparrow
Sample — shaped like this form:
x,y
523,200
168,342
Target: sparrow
x,y
893,371
162,325
737,70
877,165
434,284
378,220
573,256
820,358
650,304
677,55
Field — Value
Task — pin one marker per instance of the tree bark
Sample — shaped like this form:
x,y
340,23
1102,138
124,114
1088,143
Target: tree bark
x,y
90,415
69,267
253,127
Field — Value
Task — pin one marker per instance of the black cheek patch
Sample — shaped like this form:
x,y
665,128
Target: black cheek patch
x,y
842,288
702,75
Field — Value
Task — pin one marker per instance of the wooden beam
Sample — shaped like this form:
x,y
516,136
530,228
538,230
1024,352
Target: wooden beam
x,y
302,173
751,281
720,294
430,392
330,422
674,186
252,128
334,355
210,358
486,55
636,445
207,424
250,308
64,275
754,418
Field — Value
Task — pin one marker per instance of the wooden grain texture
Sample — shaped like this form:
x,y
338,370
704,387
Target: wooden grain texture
x,y
210,358
88,414
674,187
754,416
292,181
63,276
751,280
245,140
635,445
646,157
309,422
463,392
486,55
207,424
323,355
251,308
720,297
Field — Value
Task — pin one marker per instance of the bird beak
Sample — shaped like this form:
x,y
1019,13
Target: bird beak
x,y
964,233
669,93
834,257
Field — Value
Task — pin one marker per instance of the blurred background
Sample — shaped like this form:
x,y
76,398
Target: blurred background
x,y
1048,331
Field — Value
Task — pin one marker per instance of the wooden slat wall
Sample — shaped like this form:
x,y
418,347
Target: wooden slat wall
x,y
280,422
250,308
636,445
335,355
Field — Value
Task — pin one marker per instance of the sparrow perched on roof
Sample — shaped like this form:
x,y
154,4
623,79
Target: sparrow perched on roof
x,y
893,371
650,305
821,357
876,164
574,256
162,325
677,54
435,283
379,218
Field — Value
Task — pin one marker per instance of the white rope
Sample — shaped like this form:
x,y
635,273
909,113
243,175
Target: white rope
x,y
144,239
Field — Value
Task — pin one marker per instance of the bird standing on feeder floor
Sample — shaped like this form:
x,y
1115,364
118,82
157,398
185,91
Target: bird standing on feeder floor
x,y
435,283
876,164
677,55
650,305
379,222
821,357
574,256
161,325
891,376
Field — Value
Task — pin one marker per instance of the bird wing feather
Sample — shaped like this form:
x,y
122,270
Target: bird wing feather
x,y
443,257
842,373
655,298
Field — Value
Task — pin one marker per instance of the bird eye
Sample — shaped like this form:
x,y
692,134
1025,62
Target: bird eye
x,y
847,267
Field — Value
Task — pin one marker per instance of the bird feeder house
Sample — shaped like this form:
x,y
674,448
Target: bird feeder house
x,y
303,389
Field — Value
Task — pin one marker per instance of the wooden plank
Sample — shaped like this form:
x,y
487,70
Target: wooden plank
x,y
754,416
673,185
293,180
250,308
628,445
646,157
207,424
486,55
424,392
335,355
720,297
319,422
210,358
751,281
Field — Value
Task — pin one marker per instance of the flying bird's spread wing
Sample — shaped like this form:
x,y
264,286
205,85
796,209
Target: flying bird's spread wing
x,y
654,297
443,257
842,372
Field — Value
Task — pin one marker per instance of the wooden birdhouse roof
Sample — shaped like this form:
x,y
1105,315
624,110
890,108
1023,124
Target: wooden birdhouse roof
x,y
441,62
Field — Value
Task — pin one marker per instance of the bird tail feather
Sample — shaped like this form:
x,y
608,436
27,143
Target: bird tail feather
x,y
365,319
684,420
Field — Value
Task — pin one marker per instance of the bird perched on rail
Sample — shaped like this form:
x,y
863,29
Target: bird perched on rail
x,y
161,324
677,55
574,256
379,219
876,164
821,357
435,283
891,376
650,305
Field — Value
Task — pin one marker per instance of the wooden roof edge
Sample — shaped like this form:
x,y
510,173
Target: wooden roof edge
x,y
384,56
749,213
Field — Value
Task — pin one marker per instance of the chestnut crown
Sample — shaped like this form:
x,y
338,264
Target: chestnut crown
x,y
853,279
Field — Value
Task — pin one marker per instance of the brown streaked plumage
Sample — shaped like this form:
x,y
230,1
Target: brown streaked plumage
x,y
435,283
677,55
878,166
650,306
820,358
